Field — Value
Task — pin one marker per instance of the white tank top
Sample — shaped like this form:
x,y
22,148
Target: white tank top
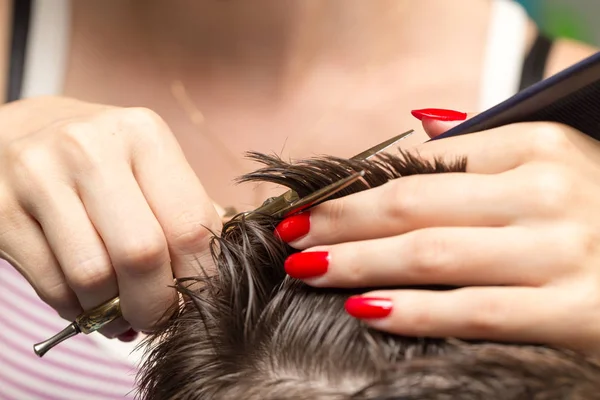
x,y
92,367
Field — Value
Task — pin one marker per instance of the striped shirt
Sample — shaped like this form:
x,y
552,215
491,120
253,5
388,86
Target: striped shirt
x,y
87,367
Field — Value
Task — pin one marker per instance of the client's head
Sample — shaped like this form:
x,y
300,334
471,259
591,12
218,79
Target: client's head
x,y
249,331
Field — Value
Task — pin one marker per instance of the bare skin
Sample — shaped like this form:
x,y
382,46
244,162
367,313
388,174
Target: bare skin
x,y
297,77
526,265
295,91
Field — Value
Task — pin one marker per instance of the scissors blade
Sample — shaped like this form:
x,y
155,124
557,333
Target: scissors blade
x,y
319,195
282,203
281,206
378,148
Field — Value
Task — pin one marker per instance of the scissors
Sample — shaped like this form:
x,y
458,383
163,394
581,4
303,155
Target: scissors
x,y
279,207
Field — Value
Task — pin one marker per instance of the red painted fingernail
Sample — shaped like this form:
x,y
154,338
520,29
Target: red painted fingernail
x,y
439,114
307,265
128,336
368,307
294,227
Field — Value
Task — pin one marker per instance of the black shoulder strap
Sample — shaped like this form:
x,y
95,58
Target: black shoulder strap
x,y
535,62
18,47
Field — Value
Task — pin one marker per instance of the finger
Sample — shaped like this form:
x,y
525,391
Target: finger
x,y
45,273
438,256
80,252
410,203
78,247
503,314
505,148
439,114
435,126
23,244
134,241
129,336
177,198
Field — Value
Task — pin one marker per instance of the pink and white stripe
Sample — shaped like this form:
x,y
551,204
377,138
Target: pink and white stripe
x,y
84,367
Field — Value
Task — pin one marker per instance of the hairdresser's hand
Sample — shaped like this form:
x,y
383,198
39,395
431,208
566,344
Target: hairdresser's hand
x,y
521,230
97,201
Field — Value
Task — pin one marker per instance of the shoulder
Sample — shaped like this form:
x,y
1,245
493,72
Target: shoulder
x,y
566,52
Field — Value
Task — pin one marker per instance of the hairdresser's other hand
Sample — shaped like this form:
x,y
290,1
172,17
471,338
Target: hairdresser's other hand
x,y
97,201
520,230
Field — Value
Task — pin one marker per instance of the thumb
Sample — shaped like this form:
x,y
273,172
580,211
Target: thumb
x,y
437,121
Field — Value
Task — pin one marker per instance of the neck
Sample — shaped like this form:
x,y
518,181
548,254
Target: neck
x,y
280,38
244,50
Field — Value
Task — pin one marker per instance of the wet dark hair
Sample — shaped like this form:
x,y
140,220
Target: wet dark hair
x,y
251,332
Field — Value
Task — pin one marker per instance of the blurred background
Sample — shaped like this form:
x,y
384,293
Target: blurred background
x,y
575,19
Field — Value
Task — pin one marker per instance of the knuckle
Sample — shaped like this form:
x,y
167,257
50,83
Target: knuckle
x,y
584,243
428,255
189,233
419,319
487,315
142,118
190,238
553,188
91,275
26,159
78,132
58,295
80,144
548,140
140,124
404,199
77,136
587,297
354,273
334,217
142,115
30,165
143,254
14,151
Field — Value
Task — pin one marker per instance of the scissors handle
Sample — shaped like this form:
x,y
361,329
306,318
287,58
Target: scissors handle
x,y
87,322
571,97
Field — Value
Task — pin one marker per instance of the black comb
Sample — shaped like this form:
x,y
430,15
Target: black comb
x,y
571,97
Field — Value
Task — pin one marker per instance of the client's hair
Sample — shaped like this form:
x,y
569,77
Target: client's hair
x,y
251,332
